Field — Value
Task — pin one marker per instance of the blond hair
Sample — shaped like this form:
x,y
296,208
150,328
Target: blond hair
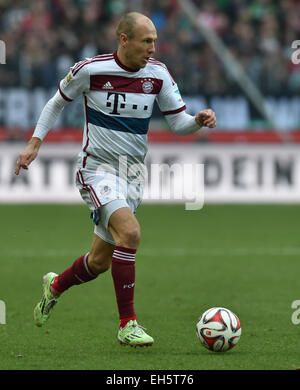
x,y
127,24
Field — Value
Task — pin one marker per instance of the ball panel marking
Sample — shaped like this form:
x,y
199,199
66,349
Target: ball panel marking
x,y
218,329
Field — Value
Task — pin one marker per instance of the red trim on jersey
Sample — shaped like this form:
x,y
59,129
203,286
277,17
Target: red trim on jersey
x,y
86,187
147,85
86,62
78,66
87,131
94,198
174,111
103,55
122,65
63,95
156,62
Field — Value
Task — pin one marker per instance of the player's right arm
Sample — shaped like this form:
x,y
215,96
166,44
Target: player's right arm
x,y
46,121
69,88
28,155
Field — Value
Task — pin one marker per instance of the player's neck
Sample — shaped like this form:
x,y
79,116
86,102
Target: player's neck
x,y
122,61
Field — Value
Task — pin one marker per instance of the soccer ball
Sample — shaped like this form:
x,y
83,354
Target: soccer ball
x,y
218,329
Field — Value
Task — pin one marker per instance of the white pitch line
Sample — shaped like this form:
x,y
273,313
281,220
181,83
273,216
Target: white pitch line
x,y
45,253
167,252
222,252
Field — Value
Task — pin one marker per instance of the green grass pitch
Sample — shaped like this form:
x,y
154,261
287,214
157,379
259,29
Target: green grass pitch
x,y
242,257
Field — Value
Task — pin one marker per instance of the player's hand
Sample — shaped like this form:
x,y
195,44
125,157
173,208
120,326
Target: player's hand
x,y
28,155
206,118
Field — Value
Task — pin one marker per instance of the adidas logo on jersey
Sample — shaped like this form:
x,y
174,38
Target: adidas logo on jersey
x,y
107,85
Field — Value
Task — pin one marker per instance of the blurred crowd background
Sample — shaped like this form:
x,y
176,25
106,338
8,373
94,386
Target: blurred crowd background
x,y
45,37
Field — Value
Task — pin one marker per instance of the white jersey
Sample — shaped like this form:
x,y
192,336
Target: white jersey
x,y
118,104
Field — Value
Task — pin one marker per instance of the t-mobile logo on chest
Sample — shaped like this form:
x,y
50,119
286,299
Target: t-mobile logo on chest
x,y
117,101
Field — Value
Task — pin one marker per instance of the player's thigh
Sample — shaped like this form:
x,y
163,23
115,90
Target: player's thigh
x,y
100,254
124,227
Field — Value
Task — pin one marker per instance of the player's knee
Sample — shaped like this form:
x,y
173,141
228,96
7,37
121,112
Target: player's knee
x,y
131,238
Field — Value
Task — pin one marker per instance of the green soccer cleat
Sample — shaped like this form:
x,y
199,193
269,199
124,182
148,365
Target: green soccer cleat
x,y
43,309
133,334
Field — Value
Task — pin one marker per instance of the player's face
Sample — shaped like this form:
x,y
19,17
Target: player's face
x,y
141,47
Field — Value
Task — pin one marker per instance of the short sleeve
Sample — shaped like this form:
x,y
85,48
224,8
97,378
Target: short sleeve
x,y
169,99
76,82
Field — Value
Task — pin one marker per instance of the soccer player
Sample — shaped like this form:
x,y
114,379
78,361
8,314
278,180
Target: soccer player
x,y
119,91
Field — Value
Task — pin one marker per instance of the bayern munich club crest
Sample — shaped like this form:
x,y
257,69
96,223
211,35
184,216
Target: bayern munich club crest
x,y
147,86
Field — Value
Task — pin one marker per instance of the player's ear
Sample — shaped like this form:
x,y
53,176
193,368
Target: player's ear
x,y
123,39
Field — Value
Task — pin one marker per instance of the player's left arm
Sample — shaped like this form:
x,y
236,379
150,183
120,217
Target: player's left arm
x,y
173,108
183,123
206,118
